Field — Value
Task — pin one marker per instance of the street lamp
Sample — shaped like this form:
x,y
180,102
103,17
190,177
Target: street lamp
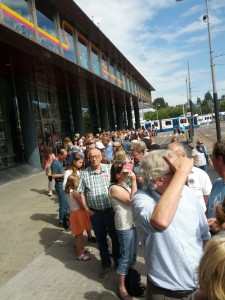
x,y
215,97
186,81
157,114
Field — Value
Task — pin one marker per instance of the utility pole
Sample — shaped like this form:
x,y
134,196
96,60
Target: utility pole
x,y
191,107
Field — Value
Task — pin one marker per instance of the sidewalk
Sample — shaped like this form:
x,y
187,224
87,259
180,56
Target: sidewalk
x,y
37,259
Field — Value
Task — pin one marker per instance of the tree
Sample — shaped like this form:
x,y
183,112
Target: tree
x,y
160,102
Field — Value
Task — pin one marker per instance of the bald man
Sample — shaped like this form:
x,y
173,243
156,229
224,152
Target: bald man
x,y
198,180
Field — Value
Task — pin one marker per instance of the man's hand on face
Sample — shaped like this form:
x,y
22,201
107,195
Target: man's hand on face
x,y
179,163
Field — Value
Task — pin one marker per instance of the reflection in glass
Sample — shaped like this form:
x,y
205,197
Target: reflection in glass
x,y
118,78
105,72
17,15
95,63
112,74
46,26
68,41
83,52
128,84
124,81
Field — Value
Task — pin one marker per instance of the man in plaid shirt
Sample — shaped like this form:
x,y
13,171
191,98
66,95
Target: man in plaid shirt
x,y
93,188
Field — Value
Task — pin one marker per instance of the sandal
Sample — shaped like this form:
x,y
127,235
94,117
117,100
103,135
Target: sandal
x,y
87,250
83,257
124,295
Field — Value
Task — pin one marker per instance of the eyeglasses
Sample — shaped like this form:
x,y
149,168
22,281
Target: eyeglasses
x,y
199,143
134,155
94,156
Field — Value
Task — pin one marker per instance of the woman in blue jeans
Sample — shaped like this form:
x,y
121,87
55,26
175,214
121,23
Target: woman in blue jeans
x,y
120,195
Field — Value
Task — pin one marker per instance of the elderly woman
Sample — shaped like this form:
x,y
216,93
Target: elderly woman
x,y
162,212
200,155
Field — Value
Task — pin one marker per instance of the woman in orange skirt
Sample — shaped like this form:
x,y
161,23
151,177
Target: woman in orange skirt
x,y
79,219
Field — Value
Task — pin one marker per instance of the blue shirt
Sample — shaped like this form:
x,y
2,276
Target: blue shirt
x,y
216,197
171,256
108,150
57,168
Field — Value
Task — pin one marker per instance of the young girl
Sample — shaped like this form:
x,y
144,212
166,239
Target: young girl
x,y
79,219
49,156
75,169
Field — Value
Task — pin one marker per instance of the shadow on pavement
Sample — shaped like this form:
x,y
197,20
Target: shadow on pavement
x,y
87,282
47,218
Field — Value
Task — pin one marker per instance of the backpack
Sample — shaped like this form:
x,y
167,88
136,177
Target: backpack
x,y
133,283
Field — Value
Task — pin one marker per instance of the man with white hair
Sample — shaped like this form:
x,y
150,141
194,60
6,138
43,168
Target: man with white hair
x,y
198,180
171,225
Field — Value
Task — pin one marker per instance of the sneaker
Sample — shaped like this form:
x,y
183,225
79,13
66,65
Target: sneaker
x,y
50,193
92,239
104,272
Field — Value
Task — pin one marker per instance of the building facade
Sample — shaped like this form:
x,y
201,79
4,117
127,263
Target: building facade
x,y
59,75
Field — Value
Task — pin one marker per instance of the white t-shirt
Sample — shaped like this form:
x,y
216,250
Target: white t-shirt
x,y
66,175
73,205
200,183
199,158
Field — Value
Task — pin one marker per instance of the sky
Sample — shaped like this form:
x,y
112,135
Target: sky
x,y
160,38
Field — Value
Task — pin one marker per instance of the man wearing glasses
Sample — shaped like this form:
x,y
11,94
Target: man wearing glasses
x,y
93,189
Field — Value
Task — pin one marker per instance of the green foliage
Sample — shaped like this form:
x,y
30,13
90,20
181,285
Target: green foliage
x,y
160,103
222,105
165,113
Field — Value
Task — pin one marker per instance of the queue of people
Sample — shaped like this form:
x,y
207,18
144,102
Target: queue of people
x,y
120,187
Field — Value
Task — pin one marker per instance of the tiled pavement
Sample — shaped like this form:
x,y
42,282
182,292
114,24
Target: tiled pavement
x,y
37,259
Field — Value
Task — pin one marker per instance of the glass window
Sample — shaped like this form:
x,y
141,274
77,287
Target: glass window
x,y
118,80
46,26
83,51
123,81
112,73
46,115
17,14
128,83
95,60
105,72
67,39
168,123
131,86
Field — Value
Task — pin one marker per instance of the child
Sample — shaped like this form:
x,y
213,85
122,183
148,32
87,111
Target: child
x,y
79,219
49,156
75,169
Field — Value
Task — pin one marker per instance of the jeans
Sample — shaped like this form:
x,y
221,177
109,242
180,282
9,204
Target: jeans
x,y
63,206
103,224
128,249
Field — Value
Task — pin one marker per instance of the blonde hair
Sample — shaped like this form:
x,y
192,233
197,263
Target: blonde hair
x,y
119,156
211,271
72,183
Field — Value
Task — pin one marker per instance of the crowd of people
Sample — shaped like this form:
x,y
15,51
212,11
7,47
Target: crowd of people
x,y
123,186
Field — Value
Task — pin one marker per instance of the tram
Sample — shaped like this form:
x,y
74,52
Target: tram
x,y
205,119
170,124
